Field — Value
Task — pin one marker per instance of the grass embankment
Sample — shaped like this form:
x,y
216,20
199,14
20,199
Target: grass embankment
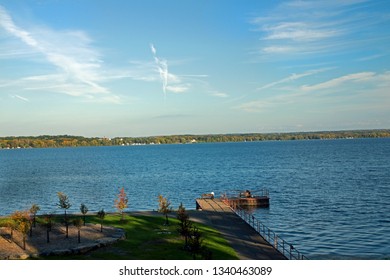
x,y
147,238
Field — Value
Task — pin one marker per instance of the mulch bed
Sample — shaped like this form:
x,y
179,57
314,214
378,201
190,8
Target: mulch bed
x,y
37,245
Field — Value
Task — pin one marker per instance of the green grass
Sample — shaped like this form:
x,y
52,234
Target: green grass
x,y
147,238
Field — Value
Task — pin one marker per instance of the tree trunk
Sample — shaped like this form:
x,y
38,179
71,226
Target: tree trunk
x,y
47,236
66,225
78,236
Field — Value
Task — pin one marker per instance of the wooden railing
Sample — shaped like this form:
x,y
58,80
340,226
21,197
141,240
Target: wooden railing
x,y
284,247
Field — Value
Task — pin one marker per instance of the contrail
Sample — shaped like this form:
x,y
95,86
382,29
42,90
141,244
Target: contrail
x,y
162,67
20,97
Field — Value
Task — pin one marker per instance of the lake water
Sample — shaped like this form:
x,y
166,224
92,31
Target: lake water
x,y
329,198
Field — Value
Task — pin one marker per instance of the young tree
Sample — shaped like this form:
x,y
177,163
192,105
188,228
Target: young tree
x,y
48,218
34,210
78,223
84,211
121,203
24,228
164,207
23,221
63,203
101,214
195,241
185,224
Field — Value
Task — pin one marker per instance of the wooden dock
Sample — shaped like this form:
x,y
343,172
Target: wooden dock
x,y
243,238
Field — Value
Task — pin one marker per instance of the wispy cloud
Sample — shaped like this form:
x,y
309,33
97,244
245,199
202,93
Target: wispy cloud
x,y
78,64
368,86
219,94
355,77
293,77
162,68
265,104
175,83
20,98
297,28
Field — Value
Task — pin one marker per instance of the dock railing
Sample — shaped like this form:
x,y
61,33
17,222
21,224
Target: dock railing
x,y
284,247
238,193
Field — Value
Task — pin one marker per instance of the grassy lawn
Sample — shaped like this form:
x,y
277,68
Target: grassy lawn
x,y
147,238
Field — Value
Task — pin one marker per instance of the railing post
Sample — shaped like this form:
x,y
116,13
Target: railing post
x,y
275,241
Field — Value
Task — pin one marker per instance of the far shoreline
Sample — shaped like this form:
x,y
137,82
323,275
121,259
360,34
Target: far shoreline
x,y
66,141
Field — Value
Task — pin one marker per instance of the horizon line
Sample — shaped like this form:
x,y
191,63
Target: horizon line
x,y
200,134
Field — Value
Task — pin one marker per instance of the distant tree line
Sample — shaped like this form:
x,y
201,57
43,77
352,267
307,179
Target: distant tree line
x,y
47,141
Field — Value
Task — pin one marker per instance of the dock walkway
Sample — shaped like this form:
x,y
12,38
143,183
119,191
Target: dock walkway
x,y
248,244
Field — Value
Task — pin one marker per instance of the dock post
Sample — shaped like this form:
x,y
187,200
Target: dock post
x,y
275,241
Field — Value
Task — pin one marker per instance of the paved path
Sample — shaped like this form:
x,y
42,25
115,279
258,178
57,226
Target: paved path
x,y
248,244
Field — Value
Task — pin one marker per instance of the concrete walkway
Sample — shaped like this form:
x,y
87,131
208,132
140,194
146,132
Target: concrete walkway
x,y
247,243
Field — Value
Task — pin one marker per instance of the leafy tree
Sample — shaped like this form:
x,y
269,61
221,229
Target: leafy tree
x,y
23,221
34,210
63,203
121,203
78,223
164,207
84,211
101,214
24,228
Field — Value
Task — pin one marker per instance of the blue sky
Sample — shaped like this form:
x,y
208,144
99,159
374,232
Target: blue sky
x,y
139,68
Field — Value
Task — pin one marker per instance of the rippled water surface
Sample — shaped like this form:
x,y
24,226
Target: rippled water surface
x,y
331,198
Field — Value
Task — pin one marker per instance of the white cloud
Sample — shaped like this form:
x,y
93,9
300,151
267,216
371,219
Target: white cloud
x,y
220,94
297,28
20,98
162,68
297,31
178,88
172,82
254,106
293,77
265,104
356,77
78,64
356,90
278,49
